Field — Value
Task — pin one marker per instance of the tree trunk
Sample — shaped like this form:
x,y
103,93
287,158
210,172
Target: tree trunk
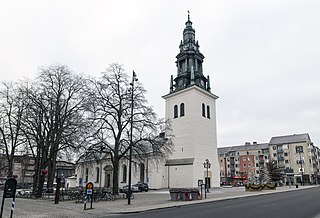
x,y
115,180
10,163
51,170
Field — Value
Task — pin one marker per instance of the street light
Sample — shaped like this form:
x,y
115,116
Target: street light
x,y
301,162
207,165
131,127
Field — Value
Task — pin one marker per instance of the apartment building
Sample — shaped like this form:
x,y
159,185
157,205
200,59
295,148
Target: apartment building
x,y
295,155
23,169
242,163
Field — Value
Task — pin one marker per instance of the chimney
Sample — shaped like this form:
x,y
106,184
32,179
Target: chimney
x,y
247,143
254,143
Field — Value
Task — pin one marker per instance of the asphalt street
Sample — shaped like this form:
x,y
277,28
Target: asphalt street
x,y
304,203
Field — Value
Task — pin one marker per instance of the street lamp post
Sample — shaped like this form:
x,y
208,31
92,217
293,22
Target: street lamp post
x,y
301,162
207,165
131,127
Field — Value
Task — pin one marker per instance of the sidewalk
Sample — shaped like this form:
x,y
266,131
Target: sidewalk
x,y
154,199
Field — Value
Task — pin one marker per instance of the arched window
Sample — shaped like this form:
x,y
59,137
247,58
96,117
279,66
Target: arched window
x,y
181,109
124,173
203,110
175,111
208,111
142,169
86,175
98,174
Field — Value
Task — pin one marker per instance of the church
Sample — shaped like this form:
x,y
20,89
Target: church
x,y
190,106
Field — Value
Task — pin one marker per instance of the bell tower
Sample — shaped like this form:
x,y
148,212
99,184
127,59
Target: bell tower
x,y
189,62
191,109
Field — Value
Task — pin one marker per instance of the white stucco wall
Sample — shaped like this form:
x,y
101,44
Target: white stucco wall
x,y
195,135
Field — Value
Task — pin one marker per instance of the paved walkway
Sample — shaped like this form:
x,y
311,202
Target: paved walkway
x,y
154,199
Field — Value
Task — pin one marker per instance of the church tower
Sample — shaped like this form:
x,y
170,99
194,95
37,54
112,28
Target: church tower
x,y
191,108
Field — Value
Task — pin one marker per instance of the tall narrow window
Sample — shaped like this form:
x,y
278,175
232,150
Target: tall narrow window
x,y
142,169
97,174
208,111
203,110
124,173
175,111
86,175
181,109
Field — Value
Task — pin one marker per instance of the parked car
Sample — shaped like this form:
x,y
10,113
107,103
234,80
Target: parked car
x,y
142,187
124,189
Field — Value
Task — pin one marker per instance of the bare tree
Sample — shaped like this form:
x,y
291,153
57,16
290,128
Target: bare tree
x,y
55,123
12,110
111,115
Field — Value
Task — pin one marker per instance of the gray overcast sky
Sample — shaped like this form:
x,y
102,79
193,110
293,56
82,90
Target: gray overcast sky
x,y
262,56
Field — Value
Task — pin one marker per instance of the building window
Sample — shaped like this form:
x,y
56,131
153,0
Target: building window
x,y
86,176
299,149
257,165
203,110
175,111
274,154
142,169
274,148
208,111
244,159
97,174
285,154
124,173
286,161
181,109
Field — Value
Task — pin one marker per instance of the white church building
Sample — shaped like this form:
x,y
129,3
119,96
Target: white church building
x,y
191,108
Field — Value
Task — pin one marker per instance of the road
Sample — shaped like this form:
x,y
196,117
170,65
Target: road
x,y
296,204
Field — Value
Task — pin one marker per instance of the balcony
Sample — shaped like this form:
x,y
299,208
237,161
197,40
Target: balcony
x,y
280,150
281,165
288,171
232,169
232,162
261,161
280,158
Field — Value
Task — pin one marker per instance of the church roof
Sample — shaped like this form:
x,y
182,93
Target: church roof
x,y
278,140
177,162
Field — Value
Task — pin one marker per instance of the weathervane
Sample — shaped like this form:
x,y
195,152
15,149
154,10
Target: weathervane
x,y
188,15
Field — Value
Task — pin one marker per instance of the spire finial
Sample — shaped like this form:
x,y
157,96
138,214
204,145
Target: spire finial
x,y
188,15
